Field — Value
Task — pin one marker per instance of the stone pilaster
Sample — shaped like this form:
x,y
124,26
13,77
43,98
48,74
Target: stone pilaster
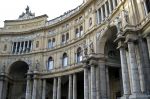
x,y
54,88
70,92
144,68
74,86
59,88
134,74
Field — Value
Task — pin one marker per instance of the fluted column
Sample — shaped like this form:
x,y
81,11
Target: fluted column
x,y
54,88
28,46
109,3
113,1
106,12
16,48
93,82
102,14
59,88
74,86
44,89
24,46
35,83
86,84
103,78
98,16
28,87
125,73
70,91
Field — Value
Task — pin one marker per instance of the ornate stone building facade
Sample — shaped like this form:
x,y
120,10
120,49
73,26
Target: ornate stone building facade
x,y
99,50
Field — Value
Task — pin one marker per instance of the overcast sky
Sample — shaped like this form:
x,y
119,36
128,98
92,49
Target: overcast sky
x,y
11,9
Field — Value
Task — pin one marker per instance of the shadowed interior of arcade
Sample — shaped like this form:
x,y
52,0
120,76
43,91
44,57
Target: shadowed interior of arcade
x,y
16,86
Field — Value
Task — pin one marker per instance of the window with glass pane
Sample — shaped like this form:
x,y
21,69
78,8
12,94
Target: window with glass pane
x,y
81,30
77,32
49,43
67,36
65,60
50,63
63,38
53,44
79,55
148,5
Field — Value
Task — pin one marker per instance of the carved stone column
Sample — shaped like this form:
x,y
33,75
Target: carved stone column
x,y
74,86
70,92
59,88
97,82
93,79
28,87
54,88
86,83
35,85
125,73
103,80
44,89
3,86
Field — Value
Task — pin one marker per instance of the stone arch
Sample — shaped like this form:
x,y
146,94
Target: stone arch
x,y
104,37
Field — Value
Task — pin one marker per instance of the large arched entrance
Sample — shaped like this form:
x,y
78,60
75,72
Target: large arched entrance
x,y
108,48
16,88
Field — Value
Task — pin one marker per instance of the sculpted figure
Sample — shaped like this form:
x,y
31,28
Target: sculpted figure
x,y
118,23
126,16
85,49
91,47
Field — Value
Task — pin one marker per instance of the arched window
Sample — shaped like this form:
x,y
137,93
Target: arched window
x,y
77,32
49,43
81,30
65,60
79,55
67,36
50,63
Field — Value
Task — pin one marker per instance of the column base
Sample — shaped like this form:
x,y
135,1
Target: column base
x,y
125,97
139,96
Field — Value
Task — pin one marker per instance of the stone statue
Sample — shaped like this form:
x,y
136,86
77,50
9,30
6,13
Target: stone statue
x,y
85,49
3,68
118,23
37,65
126,16
91,46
